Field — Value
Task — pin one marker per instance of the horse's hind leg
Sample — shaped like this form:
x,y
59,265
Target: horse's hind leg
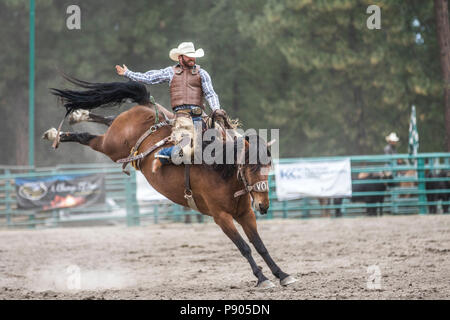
x,y
248,223
85,138
107,120
85,115
225,222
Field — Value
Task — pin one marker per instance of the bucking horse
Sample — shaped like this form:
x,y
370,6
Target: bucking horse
x,y
222,191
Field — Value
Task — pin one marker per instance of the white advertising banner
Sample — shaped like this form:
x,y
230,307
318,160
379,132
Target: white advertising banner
x,y
313,179
145,192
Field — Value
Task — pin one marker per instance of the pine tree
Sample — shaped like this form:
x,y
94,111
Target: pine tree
x,y
348,86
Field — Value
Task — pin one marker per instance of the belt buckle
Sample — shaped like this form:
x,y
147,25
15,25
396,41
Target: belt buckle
x,y
196,111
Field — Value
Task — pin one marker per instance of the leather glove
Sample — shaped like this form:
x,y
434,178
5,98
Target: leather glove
x,y
220,112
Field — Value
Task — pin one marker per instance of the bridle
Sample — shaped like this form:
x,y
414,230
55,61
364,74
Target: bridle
x,y
260,186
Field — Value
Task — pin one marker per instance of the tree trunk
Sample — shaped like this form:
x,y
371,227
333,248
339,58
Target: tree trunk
x,y
443,34
361,141
21,133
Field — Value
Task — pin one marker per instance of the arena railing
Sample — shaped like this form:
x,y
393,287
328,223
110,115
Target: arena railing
x,y
403,194
120,193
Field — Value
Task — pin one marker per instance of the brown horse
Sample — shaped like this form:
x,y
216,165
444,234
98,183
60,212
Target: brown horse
x,y
213,187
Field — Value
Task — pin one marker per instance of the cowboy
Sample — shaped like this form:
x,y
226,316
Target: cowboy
x,y
392,140
188,85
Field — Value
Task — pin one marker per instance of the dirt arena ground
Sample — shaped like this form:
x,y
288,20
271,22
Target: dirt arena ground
x,y
330,257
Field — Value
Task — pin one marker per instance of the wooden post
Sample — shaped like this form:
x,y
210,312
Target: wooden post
x,y
421,185
443,35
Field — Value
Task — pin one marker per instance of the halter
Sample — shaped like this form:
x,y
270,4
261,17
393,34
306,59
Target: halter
x,y
260,186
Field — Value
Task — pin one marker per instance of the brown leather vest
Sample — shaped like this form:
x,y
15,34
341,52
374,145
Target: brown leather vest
x,y
186,87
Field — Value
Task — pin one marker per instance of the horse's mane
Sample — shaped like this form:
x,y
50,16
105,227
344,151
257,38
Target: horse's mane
x,y
227,171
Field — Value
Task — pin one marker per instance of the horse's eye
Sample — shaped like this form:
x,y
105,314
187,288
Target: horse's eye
x,y
265,171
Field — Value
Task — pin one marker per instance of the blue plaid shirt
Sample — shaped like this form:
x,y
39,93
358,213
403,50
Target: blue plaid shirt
x,y
166,75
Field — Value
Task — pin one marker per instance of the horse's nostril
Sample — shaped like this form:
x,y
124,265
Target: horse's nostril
x,y
262,208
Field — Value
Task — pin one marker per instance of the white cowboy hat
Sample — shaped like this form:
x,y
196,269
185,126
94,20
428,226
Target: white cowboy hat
x,y
187,49
392,137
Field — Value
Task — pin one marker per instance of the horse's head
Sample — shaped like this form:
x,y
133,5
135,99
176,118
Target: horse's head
x,y
255,178
254,173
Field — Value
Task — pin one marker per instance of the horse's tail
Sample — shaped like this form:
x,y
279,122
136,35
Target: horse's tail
x,y
100,94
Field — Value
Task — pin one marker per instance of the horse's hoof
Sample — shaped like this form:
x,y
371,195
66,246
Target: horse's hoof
x,y
78,116
288,280
266,284
50,134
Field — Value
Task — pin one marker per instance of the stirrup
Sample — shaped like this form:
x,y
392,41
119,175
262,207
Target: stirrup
x,y
163,158
165,154
190,199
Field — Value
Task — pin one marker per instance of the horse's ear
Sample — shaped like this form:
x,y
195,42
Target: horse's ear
x,y
271,142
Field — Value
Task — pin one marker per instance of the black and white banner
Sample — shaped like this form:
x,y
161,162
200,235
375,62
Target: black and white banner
x,y
60,191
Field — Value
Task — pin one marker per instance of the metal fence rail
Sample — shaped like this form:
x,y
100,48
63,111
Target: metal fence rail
x,y
407,192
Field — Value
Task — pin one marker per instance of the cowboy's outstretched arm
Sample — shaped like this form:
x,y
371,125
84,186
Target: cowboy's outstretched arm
x,y
150,77
208,91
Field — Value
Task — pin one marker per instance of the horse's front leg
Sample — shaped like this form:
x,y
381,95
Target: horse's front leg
x,y
248,223
225,222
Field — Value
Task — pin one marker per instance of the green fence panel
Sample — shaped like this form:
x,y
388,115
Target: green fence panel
x,y
398,199
120,193
404,194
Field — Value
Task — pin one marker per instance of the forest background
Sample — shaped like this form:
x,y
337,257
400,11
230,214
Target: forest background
x,y
312,69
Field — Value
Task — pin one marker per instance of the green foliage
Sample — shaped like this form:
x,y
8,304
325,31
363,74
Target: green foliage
x,y
352,85
310,68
